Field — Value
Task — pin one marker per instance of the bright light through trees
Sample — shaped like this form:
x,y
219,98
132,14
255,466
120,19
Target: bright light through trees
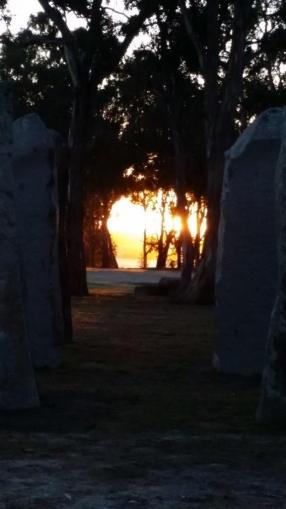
x,y
127,221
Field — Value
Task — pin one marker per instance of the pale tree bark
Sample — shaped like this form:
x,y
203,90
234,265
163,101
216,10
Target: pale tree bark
x,y
219,113
86,75
272,406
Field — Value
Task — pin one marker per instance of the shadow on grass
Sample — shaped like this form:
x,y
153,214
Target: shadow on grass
x,y
139,365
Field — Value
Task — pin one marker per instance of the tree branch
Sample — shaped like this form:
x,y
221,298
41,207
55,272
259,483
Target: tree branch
x,y
193,36
117,12
43,39
236,60
131,30
68,41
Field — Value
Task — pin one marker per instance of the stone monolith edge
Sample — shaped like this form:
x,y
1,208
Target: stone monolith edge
x,y
17,382
246,275
37,208
272,406
62,160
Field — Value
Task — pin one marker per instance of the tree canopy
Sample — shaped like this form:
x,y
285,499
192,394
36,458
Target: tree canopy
x,y
170,107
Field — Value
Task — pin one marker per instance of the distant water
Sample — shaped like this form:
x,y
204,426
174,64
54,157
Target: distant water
x,y
132,263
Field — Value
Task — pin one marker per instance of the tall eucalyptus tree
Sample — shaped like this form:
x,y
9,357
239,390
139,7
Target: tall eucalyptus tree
x,y
235,33
92,54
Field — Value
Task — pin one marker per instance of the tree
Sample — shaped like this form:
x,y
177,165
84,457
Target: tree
x,y
5,14
40,80
164,112
166,237
162,70
100,250
91,53
145,195
107,160
227,39
220,108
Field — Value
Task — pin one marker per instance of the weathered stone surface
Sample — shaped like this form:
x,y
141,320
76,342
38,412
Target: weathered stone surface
x,y
246,275
273,391
37,205
62,158
17,383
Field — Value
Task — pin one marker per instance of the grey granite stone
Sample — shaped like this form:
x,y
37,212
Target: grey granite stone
x,y
246,275
273,391
17,382
37,209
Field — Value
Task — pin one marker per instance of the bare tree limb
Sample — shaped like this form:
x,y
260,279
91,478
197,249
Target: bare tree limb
x,y
117,12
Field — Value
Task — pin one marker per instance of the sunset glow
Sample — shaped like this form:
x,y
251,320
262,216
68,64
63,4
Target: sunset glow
x,y
127,223
128,218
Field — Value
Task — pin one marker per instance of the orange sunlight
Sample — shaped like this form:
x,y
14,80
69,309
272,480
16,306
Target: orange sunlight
x,y
126,225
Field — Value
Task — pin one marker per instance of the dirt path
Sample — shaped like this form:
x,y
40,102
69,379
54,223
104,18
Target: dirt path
x,y
135,418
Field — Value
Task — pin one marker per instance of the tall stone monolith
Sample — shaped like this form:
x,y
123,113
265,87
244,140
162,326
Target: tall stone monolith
x,y
37,212
272,406
246,276
17,382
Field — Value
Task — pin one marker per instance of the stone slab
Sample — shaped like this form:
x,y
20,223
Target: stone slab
x,y
37,212
246,275
17,382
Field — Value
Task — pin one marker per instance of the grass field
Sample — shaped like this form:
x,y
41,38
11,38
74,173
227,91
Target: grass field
x,y
135,417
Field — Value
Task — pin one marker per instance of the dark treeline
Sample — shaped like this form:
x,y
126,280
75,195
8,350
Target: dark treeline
x,y
169,110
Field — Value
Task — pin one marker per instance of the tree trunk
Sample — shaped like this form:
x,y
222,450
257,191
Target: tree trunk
x,y
201,288
219,128
188,253
160,261
178,246
145,247
182,207
197,242
108,258
163,252
77,143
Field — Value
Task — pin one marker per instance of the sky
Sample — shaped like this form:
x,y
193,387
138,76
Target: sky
x,y
21,10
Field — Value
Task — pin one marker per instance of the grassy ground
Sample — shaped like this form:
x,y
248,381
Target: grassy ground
x,y
135,417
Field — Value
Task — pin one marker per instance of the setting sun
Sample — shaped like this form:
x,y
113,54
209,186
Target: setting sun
x,y
127,223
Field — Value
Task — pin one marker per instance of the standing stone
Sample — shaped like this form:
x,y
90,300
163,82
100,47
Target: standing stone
x,y
62,159
17,382
273,392
246,276
37,205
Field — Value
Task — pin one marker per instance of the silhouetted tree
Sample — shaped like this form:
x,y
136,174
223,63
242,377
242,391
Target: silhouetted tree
x,y
91,53
226,36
